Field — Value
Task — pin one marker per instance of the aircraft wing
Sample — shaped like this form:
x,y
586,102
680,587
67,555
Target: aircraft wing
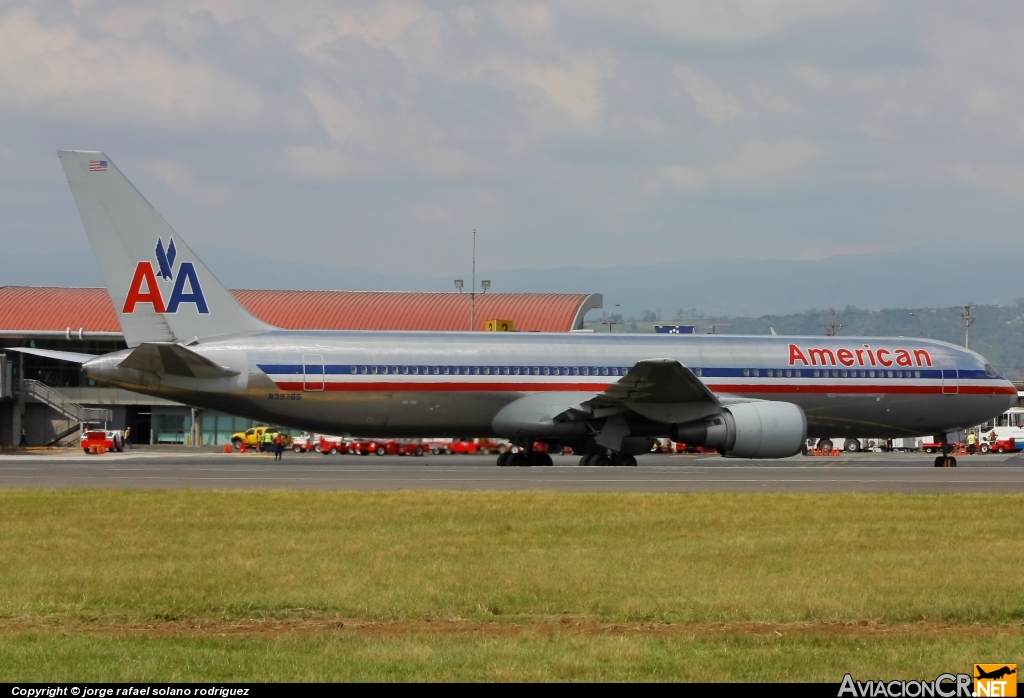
x,y
174,360
662,390
71,356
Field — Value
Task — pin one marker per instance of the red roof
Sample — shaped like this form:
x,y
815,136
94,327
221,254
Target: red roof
x,y
30,309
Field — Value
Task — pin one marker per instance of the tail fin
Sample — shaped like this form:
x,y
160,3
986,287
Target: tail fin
x,y
160,289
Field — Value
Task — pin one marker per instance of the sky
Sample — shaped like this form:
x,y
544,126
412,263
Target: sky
x,y
587,134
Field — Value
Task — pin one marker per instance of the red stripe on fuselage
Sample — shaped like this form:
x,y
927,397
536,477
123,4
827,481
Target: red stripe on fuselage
x,y
747,388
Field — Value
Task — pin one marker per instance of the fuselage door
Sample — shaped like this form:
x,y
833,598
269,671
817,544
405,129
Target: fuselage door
x,y
950,377
312,372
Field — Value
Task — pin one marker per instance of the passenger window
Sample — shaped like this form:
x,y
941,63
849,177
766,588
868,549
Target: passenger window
x,y
354,369
871,374
769,373
554,371
917,374
373,370
746,372
405,370
487,370
699,372
817,373
446,369
796,373
575,370
384,369
757,372
506,370
476,370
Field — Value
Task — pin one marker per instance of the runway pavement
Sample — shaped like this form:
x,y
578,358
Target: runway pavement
x,y
176,468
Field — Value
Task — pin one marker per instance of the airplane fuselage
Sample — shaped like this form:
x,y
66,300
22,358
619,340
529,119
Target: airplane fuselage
x,y
424,384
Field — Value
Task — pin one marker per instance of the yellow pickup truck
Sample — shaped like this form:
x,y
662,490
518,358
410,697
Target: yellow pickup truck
x,y
254,436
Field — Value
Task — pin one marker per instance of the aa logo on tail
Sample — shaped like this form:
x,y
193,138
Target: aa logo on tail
x,y
145,289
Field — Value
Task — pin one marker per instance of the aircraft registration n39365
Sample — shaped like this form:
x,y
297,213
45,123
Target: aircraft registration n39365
x,y
605,395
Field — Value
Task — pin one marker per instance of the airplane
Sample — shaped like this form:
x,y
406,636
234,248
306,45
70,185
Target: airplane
x,y
607,396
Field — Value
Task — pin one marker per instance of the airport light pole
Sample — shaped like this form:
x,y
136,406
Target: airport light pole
x,y
609,320
968,321
485,285
920,327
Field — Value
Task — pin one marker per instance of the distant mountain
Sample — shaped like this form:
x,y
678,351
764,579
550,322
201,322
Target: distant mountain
x,y
734,287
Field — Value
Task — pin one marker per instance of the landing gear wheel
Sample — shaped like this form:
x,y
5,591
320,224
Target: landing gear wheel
x,y
938,461
516,460
503,459
542,460
627,461
851,446
952,462
601,461
585,460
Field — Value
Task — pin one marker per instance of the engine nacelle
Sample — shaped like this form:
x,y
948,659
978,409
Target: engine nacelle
x,y
749,430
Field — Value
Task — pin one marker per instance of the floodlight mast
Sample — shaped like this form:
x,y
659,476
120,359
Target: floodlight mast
x,y
472,289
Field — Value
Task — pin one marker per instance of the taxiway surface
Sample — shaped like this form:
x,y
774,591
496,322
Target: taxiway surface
x,y
147,468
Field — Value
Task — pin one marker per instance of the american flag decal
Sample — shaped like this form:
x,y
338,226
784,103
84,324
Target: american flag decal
x,y
97,165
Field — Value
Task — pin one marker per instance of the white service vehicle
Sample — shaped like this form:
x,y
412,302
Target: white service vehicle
x,y
1008,425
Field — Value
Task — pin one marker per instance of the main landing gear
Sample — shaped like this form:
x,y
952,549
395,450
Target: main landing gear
x,y
524,459
945,460
604,460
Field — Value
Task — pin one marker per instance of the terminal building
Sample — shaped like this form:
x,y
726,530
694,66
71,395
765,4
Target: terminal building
x,y
52,399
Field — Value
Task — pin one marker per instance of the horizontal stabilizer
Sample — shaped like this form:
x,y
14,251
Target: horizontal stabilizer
x,y
71,356
174,360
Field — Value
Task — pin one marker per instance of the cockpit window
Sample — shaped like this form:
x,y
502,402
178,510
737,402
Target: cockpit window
x,y
990,370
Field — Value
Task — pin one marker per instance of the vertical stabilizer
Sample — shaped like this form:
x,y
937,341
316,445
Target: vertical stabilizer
x,y
160,290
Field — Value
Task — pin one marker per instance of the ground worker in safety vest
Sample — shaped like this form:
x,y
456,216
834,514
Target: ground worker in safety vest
x,y
972,443
268,441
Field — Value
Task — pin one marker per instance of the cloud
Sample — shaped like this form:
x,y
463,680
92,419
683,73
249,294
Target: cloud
x,y
552,125
573,87
179,179
757,166
717,20
712,101
54,71
431,213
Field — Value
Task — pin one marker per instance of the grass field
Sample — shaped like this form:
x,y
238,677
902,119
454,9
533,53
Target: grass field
x,y
201,585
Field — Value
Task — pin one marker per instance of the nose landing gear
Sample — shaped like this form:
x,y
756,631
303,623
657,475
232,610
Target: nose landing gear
x,y
945,460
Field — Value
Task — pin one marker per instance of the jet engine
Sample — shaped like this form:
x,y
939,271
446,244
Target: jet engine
x,y
748,430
